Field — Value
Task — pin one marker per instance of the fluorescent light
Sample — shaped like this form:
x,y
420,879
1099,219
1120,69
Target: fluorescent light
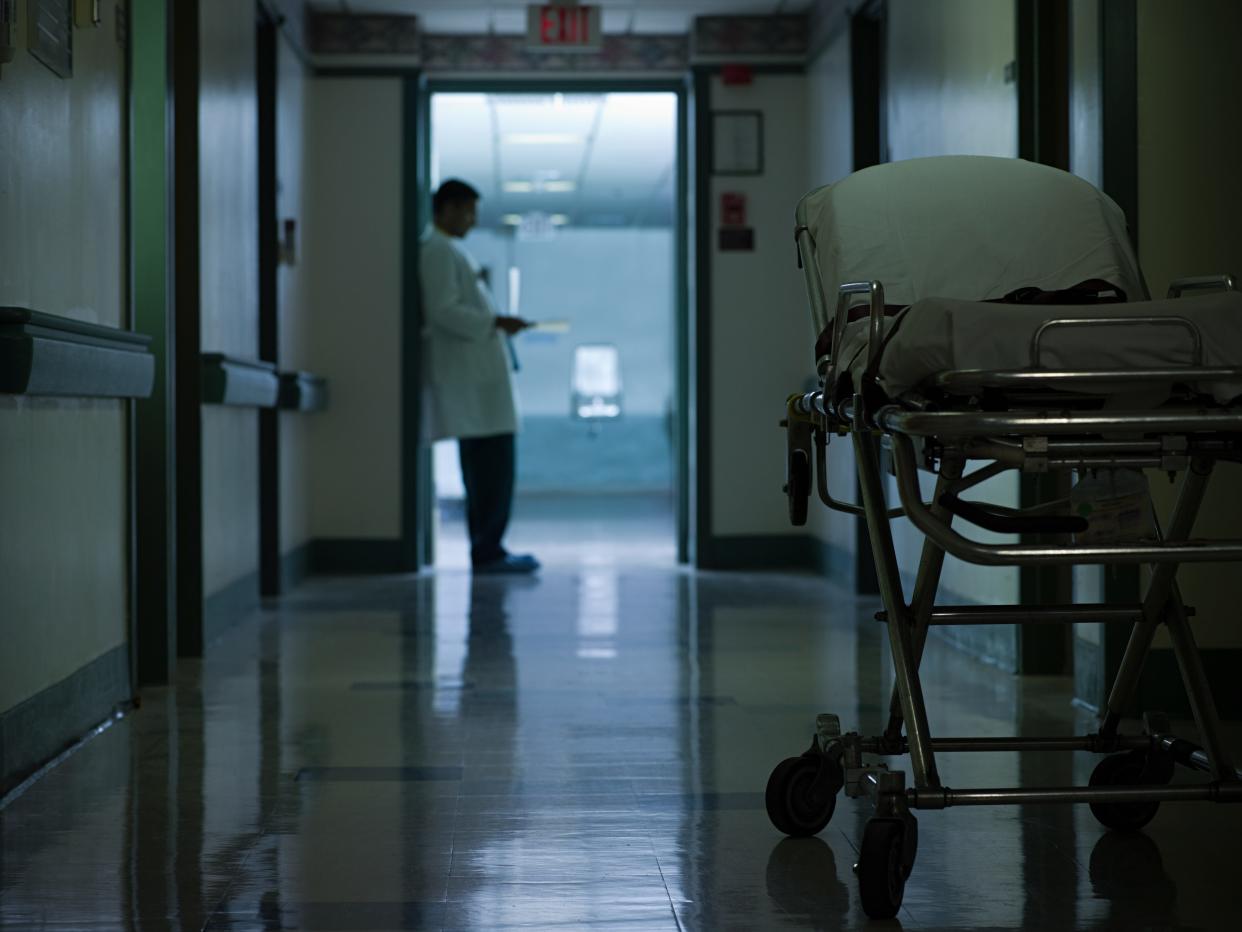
x,y
560,185
511,220
559,220
519,187
542,139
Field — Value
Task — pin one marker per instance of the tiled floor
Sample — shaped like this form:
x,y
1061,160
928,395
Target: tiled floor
x,y
584,749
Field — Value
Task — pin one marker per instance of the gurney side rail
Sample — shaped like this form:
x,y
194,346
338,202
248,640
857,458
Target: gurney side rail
x,y
1189,551
896,420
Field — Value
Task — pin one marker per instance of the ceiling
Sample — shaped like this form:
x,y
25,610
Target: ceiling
x,y
590,160
651,17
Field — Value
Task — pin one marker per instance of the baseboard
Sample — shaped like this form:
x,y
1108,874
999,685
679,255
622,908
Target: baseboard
x,y
760,552
1160,687
43,726
1090,690
226,607
355,556
295,566
996,645
836,563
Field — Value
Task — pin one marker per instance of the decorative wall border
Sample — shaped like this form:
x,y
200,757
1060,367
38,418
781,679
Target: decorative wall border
x,y
354,40
743,38
489,54
363,34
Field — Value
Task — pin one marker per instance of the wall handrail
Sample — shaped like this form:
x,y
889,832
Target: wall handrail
x,y
239,382
47,354
303,391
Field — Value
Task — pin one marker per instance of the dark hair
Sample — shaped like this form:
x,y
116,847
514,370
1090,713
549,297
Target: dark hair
x,y
452,191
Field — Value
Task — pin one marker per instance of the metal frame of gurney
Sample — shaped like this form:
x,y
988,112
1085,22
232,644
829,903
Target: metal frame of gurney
x,y
1046,424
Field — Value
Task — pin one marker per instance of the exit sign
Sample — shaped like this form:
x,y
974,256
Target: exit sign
x,y
563,27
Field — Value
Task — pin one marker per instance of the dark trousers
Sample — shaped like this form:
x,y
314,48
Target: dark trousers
x,y
487,467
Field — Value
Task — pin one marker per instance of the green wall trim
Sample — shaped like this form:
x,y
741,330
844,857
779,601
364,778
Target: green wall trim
x,y
45,725
226,607
230,380
45,354
185,320
700,138
153,477
415,494
356,556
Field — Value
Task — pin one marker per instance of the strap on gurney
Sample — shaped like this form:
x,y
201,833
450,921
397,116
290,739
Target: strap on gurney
x,y
1091,291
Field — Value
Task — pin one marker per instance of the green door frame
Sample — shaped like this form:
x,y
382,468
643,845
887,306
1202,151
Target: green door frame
x,y
153,561
416,486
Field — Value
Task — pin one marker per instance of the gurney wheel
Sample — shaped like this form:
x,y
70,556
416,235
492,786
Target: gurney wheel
x,y
1132,768
802,794
885,859
798,488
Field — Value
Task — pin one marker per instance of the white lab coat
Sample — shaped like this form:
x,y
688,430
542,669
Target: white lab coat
x,y
467,387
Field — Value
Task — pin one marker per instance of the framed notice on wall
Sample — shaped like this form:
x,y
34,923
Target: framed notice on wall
x,y
737,142
50,34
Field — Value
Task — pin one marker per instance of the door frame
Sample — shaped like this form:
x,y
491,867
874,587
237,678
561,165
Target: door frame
x,y
417,505
267,30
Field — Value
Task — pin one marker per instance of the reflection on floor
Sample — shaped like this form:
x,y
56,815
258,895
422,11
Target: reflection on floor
x,y
576,529
586,748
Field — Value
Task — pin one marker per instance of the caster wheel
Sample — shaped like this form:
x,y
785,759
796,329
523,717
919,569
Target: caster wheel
x,y
1129,769
802,794
798,488
884,863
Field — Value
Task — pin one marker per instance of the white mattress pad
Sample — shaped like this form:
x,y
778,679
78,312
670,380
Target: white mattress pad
x,y
936,335
976,227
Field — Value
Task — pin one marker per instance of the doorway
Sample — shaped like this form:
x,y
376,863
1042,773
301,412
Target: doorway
x,y
581,228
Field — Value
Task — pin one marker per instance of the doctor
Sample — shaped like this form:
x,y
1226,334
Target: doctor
x,y
467,389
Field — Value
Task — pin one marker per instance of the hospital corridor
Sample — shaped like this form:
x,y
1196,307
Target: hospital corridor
x,y
620,464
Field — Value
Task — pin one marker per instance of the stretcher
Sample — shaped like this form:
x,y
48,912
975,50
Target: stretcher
x,y
990,317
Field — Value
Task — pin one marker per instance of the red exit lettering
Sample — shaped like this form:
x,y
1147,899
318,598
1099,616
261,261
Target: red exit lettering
x,y
559,25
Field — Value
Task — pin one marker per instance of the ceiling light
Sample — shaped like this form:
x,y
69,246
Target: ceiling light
x,y
559,220
519,187
511,220
559,186
542,139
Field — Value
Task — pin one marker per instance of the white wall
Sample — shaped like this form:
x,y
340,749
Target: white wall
x,y
63,463
352,252
761,339
947,93
1190,190
1086,114
228,192
830,157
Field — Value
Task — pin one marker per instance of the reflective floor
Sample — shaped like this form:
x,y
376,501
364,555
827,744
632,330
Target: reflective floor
x,y
583,749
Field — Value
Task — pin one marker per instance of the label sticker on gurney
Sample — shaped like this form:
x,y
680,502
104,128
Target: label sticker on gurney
x,y
550,326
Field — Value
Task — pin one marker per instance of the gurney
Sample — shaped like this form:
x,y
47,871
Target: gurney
x,y
988,315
